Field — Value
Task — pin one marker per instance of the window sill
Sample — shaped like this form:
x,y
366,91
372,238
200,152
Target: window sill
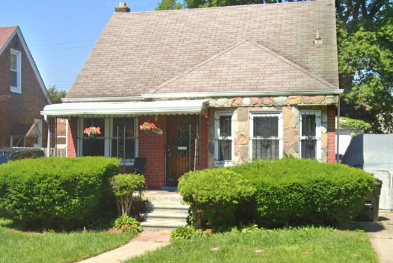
x,y
15,90
126,163
223,163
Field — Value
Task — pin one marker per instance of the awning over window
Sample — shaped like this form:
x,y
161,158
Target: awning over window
x,y
125,108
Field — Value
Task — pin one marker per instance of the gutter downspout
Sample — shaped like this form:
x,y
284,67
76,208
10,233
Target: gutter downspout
x,y
338,131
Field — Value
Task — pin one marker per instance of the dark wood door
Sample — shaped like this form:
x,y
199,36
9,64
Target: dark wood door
x,y
181,146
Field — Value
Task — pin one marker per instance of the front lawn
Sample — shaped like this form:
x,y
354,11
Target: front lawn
x,y
26,247
294,245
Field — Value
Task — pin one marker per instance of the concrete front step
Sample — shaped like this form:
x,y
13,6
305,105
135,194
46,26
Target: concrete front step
x,y
164,199
166,206
164,211
166,216
164,225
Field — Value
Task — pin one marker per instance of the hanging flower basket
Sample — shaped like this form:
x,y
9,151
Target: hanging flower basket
x,y
147,126
92,131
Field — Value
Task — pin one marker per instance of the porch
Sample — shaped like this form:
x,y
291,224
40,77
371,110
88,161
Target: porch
x,y
179,146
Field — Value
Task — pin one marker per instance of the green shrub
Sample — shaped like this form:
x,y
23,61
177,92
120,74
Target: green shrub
x,y
214,195
123,186
127,224
189,232
57,192
301,191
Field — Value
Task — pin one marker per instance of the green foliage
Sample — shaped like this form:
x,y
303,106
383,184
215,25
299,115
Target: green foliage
x,y
214,195
365,52
355,124
123,186
294,191
56,95
127,224
169,5
183,232
55,193
189,232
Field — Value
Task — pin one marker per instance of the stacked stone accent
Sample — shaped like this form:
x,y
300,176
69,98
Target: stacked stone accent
x,y
289,106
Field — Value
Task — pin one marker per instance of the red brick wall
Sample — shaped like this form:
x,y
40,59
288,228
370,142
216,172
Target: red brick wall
x,y
152,146
331,113
72,137
204,143
19,108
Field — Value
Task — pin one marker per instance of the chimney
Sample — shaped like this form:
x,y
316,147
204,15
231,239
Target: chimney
x,y
122,7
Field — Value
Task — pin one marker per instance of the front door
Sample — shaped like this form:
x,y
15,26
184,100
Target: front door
x,y
181,146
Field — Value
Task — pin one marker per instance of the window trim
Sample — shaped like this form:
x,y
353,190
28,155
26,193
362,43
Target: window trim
x,y
217,116
280,131
18,88
318,132
108,138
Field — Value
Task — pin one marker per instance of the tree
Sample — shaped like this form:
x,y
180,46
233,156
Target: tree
x,y
169,5
365,54
56,95
365,45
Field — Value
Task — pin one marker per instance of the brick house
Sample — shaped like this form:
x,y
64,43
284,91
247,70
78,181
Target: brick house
x,y
22,93
224,86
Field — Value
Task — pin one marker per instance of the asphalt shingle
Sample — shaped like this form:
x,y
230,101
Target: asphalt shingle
x,y
237,48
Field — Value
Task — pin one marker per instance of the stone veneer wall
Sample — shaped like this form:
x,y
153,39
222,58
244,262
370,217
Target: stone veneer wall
x,y
289,106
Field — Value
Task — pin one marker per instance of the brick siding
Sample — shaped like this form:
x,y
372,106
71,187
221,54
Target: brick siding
x,y
18,108
152,146
331,112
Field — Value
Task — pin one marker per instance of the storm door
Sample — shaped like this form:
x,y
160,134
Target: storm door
x,y
181,147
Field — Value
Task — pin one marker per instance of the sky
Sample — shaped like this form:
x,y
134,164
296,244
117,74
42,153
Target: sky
x,y
60,34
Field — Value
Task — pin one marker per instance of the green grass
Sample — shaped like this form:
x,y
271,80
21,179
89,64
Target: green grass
x,y
297,245
26,247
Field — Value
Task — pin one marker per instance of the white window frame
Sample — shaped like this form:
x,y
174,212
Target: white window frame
x,y
217,132
280,131
38,123
18,88
318,131
107,139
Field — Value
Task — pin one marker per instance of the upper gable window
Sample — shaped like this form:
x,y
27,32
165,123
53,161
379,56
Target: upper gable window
x,y
16,71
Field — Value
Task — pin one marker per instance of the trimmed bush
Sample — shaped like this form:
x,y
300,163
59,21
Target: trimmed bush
x,y
55,193
293,191
124,185
214,195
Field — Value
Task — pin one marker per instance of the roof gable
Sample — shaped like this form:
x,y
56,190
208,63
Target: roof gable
x,y
11,32
247,66
138,52
5,36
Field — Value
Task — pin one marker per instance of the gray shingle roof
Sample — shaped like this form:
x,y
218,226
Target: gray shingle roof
x,y
237,48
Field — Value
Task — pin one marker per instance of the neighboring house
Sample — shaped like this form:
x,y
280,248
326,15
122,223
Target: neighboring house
x,y
224,86
22,93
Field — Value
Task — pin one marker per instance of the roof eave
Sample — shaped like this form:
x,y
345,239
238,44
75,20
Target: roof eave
x,y
241,94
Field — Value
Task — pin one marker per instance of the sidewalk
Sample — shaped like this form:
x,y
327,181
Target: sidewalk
x,y
381,234
145,241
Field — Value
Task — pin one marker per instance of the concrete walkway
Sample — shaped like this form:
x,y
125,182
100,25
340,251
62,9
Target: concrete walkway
x,y
145,241
381,234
